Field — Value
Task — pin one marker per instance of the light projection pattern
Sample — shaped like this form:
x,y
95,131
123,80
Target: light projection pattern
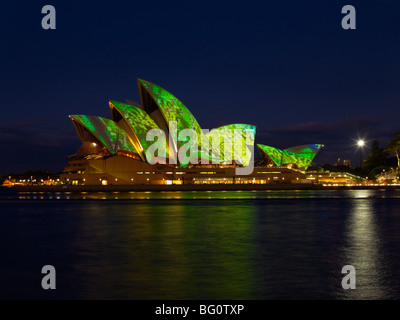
x,y
137,123
107,132
234,141
301,156
172,109
306,149
140,123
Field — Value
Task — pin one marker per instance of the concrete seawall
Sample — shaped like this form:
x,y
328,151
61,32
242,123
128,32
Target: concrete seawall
x,y
187,187
190,187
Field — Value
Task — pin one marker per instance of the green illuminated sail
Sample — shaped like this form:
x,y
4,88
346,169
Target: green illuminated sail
x,y
172,109
232,142
139,124
300,156
106,131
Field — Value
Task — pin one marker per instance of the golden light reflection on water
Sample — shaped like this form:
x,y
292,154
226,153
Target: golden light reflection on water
x,y
363,247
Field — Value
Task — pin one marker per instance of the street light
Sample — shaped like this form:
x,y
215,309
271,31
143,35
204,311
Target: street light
x,y
360,144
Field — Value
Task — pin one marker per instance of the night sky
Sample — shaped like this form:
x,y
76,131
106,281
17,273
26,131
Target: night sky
x,y
287,67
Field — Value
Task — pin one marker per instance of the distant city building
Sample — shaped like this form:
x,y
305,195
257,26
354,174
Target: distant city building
x,y
392,175
347,163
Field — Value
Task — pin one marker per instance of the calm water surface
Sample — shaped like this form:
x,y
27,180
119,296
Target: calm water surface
x,y
201,245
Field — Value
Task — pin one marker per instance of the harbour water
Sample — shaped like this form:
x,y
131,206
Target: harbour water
x,y
201,245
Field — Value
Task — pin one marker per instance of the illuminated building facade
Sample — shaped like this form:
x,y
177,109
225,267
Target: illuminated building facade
x,y
116,150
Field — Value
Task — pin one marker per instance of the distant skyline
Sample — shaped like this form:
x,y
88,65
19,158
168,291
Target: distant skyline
x,y
288,68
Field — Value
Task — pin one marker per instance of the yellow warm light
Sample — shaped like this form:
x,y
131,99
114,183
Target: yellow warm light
x,y
360,143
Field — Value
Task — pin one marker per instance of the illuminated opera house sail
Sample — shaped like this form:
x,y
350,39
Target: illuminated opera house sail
x,y
299,156
120,150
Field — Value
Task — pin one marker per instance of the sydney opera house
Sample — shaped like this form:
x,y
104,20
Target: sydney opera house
x,y
120,150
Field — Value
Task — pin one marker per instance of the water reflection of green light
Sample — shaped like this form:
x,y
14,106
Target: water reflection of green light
x,y
169,252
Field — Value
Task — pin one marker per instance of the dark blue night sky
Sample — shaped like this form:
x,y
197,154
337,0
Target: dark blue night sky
x,y
287,67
